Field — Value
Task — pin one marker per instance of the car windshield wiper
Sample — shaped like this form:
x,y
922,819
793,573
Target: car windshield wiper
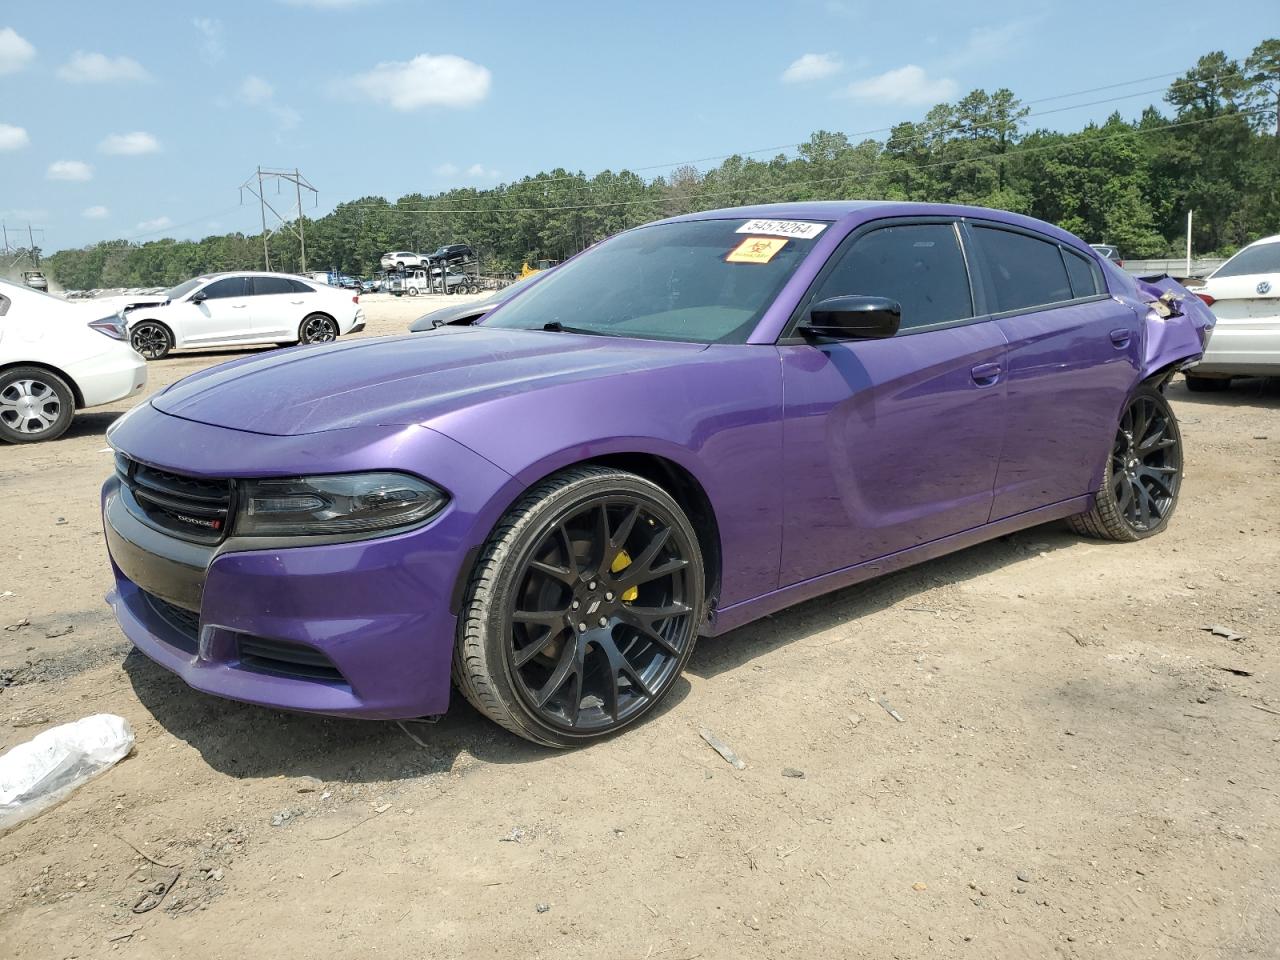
x,y
555,326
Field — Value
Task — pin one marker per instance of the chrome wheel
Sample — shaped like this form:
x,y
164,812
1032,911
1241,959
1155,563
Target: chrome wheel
x,y
319,329
601,617
30,407
150,340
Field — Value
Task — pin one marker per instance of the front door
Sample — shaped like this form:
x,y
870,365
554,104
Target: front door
x,y
891,443
224,315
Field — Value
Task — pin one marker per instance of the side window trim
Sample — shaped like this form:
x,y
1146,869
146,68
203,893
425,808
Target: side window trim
x,y
977,300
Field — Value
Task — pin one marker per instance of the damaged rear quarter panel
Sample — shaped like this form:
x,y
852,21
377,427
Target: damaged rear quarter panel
x,y
1177,322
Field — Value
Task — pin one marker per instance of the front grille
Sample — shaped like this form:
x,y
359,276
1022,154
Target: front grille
x,y
193,508
185,622
287,659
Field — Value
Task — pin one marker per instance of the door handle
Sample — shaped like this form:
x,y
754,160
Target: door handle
x,y
238,306
1120,337
985,374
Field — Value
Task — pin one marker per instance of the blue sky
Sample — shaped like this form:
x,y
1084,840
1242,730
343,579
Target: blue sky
x,y
140,120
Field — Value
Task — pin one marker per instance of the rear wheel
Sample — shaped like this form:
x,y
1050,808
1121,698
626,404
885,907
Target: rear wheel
x,y
582,609
1207,384
152,340
35,404
318,328
1143,474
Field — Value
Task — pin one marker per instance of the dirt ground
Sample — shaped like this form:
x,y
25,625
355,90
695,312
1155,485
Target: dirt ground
x,y
1079,769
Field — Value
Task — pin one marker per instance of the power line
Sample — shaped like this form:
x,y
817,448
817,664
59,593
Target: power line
x,y
541,181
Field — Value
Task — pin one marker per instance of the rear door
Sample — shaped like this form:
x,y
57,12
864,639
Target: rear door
x,y
891,443
278,306
1074,357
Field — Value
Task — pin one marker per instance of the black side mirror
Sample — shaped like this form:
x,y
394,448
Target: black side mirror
x,y
199,297
852,318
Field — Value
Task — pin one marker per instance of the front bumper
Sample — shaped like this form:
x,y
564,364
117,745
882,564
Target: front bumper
x,y
363,628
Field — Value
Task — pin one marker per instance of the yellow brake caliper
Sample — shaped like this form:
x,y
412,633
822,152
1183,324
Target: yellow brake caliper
x,y
620,563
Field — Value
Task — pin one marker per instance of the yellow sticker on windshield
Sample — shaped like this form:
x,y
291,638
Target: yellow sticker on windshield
x,y
756,250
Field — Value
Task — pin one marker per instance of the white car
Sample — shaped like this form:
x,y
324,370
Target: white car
x,y
57,357
402,259
234,309
1244,294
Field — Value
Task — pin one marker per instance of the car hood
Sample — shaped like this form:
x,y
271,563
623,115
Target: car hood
x,y
401,380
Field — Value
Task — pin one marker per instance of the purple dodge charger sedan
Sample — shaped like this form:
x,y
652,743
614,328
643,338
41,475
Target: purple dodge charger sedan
x,y
688,426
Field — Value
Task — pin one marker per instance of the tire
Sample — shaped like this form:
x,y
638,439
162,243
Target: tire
x,y
151,339
560,554
318,328
400,265
1139,489
35,404
412,291
1207,384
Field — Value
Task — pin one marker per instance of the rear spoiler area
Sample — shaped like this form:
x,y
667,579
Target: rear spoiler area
x,y
1178,324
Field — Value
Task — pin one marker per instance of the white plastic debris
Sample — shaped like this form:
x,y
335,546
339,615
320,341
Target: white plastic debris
x,y
41,772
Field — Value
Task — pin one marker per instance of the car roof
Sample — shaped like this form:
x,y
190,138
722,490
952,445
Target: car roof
x,y
248,273
1262,240
842,210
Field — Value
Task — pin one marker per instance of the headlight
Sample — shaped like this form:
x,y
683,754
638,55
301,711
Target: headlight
x,y
344,503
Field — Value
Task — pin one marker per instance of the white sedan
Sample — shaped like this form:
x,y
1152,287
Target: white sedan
x,y
1244,294
57,357
234,309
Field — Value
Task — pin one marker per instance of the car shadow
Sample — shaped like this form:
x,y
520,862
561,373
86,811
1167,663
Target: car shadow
x,y
716,655
1261,391
90,424
250,742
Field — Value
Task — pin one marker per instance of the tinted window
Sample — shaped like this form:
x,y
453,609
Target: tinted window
x,y
182,289
299,287
227,287
1080,270
919,265
4,304
262,286
697,280
1024,272
1263,258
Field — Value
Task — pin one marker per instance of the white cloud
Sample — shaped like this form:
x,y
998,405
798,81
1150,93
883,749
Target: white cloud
x,y
255,90
12,138
130,144
480,170
212,49
97,212
259,93
447,170
428,80
812,66
15,52
159,223
21,214
985,44
69,170
909,85
99,68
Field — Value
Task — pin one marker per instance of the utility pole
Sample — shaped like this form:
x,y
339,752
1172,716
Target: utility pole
x,y
35,253
300,183
1189,213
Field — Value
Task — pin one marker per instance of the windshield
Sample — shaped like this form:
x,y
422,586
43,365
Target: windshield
x,y
182,289
1260,258
701,281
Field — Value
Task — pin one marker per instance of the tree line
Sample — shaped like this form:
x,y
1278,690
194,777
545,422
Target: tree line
x,y
1215,150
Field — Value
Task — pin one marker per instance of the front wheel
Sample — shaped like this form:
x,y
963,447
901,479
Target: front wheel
x,y
152,340
582,608
318,328
35,404
1143,473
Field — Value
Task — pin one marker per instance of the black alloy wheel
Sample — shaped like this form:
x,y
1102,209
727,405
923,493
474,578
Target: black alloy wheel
x,y
583,608
318,328
150,339
1143,473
